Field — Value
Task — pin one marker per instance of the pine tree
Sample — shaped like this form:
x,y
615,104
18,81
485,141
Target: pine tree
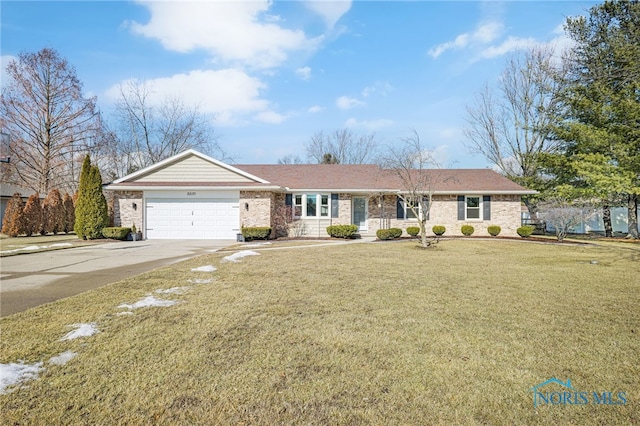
x,y
13,222
69,213
82,199
53,213
33,215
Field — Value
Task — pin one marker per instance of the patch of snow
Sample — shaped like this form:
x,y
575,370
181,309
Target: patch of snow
x,y
235,257
59,245
200,281
124,313
148,302
82,330
15,373
32,248
207,268
173,290
63,358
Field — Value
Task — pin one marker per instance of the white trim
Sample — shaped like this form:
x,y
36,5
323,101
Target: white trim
x,y
480,217
189,188
303,206
183,154
365,227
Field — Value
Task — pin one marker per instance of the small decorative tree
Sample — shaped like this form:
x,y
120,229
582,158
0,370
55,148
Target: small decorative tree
x,y
69,213
91,208
53,213
564,214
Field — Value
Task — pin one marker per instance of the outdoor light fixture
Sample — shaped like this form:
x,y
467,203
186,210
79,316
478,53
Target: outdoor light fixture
x,y
135,206
246,206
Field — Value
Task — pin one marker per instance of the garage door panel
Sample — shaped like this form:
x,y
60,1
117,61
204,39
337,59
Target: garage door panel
x,y
192,219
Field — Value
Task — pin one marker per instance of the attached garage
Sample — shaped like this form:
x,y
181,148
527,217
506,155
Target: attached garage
x,y
207,218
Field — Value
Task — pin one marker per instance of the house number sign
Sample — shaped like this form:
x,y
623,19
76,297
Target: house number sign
x,y
190,194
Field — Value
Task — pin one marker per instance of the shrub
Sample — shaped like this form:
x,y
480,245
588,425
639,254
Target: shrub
x,y
342,231
69,213
439,230
33,215
116,232
91,208
525,231
53,213
383,234
13,221
494,230
256,232
467,230
413,230
395,232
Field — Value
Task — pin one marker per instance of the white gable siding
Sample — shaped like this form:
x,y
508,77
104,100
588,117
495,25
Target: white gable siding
x,y
193,169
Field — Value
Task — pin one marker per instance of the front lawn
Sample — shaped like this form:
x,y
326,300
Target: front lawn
x,y
373,333
23,245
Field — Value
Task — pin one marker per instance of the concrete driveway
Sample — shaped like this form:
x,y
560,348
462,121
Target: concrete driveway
x,y
33,279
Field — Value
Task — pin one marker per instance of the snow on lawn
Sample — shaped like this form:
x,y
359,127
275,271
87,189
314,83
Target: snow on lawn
x,y
173,290
208,268
257,244
82,330
200,281
34,248
63,358
235,257
148,302
15,373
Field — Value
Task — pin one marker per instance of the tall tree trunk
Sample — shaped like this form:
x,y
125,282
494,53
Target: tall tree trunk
x,y
606,217
532,206
632,207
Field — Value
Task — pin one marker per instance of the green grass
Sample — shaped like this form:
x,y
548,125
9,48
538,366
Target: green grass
x,y
379,333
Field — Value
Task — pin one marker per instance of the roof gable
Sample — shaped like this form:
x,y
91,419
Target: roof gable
x,y
190,166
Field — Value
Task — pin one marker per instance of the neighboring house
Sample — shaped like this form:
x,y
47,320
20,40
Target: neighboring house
x,y
193,196
6,193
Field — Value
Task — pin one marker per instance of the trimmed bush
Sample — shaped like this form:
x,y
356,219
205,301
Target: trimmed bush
x,y
91,207
69,213
467,230
116,232
413,230
494,230
525,231
256,233
13,221
342,231
395,232
53,213
33,215
383,234
439,230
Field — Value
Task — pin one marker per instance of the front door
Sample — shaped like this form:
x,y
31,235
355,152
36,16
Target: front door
x,y
359,209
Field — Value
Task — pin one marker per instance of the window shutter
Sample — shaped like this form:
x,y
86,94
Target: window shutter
x,y
425,200
334,205
461,207
399,208
288,200
486,207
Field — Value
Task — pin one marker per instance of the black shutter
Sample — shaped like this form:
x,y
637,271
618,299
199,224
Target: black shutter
x,y
425,200
334,205
399,208
288,200
461,207
486,207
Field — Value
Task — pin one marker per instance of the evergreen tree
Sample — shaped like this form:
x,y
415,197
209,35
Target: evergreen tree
x,y
91,208
53,213
69,213
13,221
33,215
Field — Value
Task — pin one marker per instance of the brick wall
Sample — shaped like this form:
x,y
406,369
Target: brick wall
x,y
123,212
256,208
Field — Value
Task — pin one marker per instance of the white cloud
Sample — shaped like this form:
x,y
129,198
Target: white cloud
x,y
331,11
484,34
304,73
315,109
270,117
345,102
509,45
381,88
238,32
225,93
369,125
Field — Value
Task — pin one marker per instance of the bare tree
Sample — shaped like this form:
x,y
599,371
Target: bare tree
x,y
412,164
512,126
564,214
290,159
150,132
344,146
51,124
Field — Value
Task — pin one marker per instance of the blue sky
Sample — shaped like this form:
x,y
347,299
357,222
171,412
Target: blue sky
x,y
274,73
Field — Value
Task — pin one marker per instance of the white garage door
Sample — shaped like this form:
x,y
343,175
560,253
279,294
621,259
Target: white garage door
x,y
192,219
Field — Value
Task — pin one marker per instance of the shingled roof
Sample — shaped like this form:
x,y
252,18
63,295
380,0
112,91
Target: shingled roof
x,y
371,178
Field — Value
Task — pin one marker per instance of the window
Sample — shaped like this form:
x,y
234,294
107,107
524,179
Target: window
x,y
404,208
313,205
473,207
